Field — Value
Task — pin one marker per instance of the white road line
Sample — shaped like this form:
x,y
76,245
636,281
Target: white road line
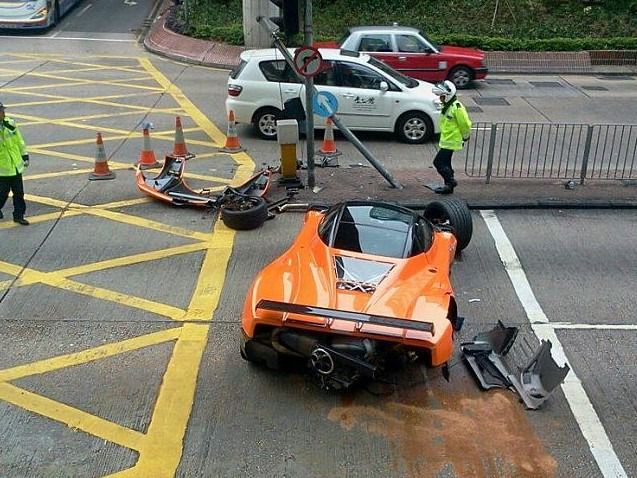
x,y
81,12
74,38
570,325
585,415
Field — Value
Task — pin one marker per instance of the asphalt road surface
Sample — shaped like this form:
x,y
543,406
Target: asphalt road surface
x,y
119,316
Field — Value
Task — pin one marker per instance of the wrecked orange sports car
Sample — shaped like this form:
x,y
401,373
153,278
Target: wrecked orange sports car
x,y
364,287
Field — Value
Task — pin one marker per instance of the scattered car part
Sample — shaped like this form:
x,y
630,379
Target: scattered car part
x,y
244,212
536,381
170,186
242,207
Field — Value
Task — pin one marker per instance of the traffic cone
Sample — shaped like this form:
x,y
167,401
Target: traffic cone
x,y
179,149
101,170
232,140
328,146
147,158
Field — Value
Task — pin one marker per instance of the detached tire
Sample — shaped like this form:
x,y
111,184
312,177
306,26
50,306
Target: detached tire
x,y
244,213
457,214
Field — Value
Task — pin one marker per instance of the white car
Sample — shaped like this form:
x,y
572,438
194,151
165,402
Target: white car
x,y
371,95
33,14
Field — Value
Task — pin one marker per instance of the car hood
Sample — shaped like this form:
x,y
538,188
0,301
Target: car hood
x,y
310,273
462,52
17,9
426,89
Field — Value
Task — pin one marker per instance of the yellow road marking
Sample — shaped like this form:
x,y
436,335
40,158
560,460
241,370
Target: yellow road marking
x,y
89,355
124,203
72,417
160,449
147,223
88,117
132,259
58,59
83,81
58,99
211,278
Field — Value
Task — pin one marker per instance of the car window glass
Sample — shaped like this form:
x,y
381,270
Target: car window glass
x,y
328,76
410,44
423,236
236,71
353,75
375,42
278,70
370,240
388,70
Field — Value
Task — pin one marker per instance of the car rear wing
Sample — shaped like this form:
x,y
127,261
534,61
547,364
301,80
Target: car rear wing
x,y
349,316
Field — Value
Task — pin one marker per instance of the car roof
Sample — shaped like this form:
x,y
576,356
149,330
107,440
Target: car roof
x,y
387,28
326,54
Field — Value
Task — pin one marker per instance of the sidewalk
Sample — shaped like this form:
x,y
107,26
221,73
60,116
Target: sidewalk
x,y
336,184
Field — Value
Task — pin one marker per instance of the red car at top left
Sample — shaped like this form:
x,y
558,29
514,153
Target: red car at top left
x,y
33,14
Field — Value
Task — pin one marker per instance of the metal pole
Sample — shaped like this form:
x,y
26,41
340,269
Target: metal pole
x,y
274,31
309,107
494,129
587,153
365,152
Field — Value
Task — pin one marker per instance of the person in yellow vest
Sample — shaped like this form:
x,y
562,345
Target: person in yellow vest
x,y
13,159
455,129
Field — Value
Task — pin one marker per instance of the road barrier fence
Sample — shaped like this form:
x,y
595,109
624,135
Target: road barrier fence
x,y
552,151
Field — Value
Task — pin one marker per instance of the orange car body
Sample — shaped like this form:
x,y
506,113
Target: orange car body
x,y
414,290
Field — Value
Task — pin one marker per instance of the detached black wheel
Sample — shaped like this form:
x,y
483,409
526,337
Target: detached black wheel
x,y
264,122
456,213
414,127
244,212
461,76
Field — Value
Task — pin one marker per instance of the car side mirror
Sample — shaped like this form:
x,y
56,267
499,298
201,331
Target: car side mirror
x,y
384,86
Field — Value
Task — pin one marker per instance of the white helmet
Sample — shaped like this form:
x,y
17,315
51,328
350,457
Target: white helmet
x,y
446,89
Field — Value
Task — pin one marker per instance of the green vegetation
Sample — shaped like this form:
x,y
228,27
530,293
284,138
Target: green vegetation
x,y
534,25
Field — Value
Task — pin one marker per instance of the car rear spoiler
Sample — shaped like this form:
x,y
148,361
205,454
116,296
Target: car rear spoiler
x,y
537,379
345,315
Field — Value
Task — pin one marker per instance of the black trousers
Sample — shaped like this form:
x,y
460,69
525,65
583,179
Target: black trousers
x,y
13,184
442,163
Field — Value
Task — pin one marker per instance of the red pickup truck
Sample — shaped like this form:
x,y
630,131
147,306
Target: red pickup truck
x,y
410,52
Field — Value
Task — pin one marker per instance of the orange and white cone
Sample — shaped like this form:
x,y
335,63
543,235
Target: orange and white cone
x,y
328,146
179,148
101,170
147,157
232,139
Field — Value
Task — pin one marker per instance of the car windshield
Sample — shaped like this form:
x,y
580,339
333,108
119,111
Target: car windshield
x,y
405,80
377,230
432,43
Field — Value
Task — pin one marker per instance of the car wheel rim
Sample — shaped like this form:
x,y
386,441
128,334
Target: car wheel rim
x,y
461,78
415,129
267,125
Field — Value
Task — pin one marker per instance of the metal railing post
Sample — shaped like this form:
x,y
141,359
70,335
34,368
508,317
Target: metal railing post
x,y
494,129
587,152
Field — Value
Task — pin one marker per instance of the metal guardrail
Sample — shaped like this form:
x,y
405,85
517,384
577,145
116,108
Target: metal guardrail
x,y
552,151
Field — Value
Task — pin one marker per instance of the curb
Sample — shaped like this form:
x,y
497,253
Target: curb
x,y
148,21
537,63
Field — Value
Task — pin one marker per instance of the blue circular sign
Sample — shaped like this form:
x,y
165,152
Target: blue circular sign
x,y
325,104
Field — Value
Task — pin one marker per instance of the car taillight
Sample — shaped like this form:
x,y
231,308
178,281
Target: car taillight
x,y
234,90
